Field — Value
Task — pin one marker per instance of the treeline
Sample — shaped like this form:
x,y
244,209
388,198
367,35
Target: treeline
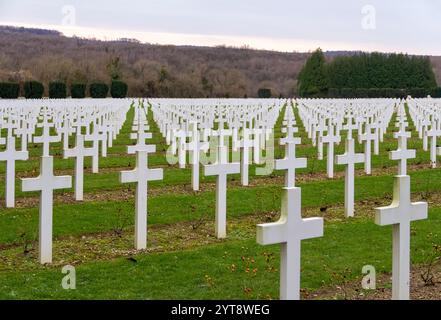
x,y
368,75
160,70
58,90
149,70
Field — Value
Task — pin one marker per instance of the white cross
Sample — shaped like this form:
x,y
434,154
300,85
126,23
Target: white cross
x,y
10,155
376,126
9,126
425,135
181,135
107,130
368,137
290,131
221,169
349,126
402,153
399,215
290,163
320,129
102,133
25,132
257,137
141,175
330,139
433,133
46,138
289,231
46,183
96,136
79,152
140,135
245,144
65,130
349,158
196,146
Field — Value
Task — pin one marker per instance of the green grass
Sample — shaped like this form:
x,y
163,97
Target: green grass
x,y
208,272
223,271
90,217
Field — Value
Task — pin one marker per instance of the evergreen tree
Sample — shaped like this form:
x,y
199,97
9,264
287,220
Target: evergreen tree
x,y
313,80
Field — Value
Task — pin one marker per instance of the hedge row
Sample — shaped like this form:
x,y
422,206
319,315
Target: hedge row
x,y
58,90
264,93
383,93
9,90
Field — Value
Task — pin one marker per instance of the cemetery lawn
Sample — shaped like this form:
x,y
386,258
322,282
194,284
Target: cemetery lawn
x,y
236,268
183,259
201,266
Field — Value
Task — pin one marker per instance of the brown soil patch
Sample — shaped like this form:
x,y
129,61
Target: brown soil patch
x,y
353,290
85,248
123,194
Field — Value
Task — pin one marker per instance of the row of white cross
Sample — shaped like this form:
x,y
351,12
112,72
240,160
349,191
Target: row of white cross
x,y
102,122
425,114
290,229
197,128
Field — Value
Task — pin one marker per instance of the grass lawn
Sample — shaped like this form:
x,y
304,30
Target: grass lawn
x,y
236,268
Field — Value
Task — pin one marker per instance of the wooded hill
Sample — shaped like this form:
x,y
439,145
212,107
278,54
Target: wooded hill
x,y
152,70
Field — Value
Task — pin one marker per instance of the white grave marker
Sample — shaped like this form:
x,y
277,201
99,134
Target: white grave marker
x,y
289,231
79,152
399,215
221,169
10,155
46,183
331,138
141,175
349,158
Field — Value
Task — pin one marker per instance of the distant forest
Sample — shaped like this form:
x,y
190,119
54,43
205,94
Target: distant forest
x,y
368,75
153,70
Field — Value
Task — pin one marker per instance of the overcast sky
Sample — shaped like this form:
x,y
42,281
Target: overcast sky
x,y
412,26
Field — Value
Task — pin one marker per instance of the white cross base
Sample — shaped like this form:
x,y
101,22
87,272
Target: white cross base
x,y
289,231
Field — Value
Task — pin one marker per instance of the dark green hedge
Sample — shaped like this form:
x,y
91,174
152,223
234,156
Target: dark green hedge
x,y
98,90
118,89
264,93
33,90
393,75
78,90
9,90
57,90
379,70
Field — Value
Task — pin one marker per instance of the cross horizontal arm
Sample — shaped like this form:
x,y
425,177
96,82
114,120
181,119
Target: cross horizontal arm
x,y
311,228
62,182
155,174
221,169
31,184
402,154
419,211
128,176
150,148
271,233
